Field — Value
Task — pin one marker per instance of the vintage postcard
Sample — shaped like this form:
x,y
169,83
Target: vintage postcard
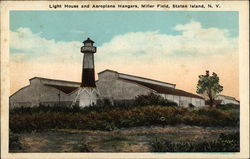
x,y
123,79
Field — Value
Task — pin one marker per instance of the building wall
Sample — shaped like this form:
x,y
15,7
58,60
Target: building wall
x,y
184,101
171,97
113,88
117,89
37,93
226,100
20,98
198,102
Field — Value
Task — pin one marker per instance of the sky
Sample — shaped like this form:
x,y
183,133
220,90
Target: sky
x,y
170,46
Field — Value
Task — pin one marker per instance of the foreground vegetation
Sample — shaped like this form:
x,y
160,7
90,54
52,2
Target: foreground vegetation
x,y
110,118
137,139
225,143
151,123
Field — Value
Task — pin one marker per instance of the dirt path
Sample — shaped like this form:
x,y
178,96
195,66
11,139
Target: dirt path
x,y
123,140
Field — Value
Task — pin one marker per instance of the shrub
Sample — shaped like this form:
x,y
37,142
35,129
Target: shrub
x,y
228,106
103,102
152,99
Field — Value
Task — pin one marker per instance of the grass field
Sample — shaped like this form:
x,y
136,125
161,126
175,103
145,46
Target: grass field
x,y
137,139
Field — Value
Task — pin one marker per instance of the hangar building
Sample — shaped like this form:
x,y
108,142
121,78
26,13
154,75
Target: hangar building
x,y
115,86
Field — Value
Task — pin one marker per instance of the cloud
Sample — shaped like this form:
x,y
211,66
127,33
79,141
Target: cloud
x,y
26,45
193,40
189,26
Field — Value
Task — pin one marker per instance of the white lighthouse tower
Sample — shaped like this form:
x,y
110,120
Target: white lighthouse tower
x,y
87,93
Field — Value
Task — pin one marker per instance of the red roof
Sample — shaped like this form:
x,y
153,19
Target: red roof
x,y
65,89
164,89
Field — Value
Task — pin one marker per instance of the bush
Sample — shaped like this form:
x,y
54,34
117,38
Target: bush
x,y
152,99
225,143
103,102
211,117
228,107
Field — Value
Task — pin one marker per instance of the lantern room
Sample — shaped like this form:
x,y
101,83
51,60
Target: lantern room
x,y
88,46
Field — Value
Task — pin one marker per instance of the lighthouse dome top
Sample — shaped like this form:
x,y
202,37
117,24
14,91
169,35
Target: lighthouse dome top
x,y
88,41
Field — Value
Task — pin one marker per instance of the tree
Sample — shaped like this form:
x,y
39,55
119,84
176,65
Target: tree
x,y
209,86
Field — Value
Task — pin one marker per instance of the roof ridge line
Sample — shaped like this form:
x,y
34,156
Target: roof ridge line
x,y
148,79
136,76
42,78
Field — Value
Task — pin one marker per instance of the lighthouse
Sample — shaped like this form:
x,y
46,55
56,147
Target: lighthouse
x,y
88,67
87,93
